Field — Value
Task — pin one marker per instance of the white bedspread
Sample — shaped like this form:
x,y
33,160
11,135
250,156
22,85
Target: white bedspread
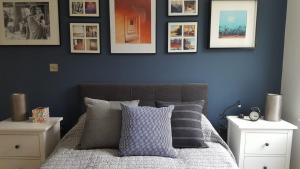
x,y
217,156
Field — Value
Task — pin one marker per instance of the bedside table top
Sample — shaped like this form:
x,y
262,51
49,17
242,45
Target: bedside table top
x,y
8,125
261,124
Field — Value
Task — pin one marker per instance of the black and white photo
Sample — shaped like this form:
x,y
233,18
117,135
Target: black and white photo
x,y
29,22
77,8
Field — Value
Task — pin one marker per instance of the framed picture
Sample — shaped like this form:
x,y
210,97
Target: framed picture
x,y
183,7
233,24
133,26
84,37
84,8
182,37
29,22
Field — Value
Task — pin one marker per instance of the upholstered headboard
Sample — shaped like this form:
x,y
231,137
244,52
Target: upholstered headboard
x,y
147,94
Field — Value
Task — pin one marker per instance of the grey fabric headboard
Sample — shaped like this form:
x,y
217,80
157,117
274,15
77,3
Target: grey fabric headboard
x,y
147,94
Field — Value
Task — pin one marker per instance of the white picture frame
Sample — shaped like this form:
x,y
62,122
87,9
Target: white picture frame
x,y
36,23
233,24
183,7
84,8
182,37
139,36
85,37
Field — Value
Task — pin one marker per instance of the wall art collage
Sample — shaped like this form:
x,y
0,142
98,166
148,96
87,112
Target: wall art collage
x,y
84,37
182,37
132,25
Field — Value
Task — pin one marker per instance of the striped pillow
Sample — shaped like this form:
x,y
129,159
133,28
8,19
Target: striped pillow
x,y
186,123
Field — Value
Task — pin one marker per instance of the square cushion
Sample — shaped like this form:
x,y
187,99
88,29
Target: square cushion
x,y
146,131
103,123
186,123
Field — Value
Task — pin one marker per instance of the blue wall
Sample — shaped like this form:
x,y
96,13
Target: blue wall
x,y
232,74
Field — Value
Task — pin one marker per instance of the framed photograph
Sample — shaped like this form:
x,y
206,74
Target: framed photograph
x,y
84,8
29,22
183,7
233,24
133,26
182,37
84,37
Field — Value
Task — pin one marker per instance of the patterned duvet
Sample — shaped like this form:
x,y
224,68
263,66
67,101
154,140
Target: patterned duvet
x,y
217,156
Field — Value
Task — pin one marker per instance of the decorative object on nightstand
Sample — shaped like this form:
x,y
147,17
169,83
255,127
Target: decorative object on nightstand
x,y
223,123
260,145
40,115
18,107
255,114
273,108
25,144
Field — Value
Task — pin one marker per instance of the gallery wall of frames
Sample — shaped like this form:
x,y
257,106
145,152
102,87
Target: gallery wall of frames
x,y
132,25
25,68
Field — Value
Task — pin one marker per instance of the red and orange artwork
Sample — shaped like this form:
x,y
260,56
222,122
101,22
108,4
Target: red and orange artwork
x,y
133,21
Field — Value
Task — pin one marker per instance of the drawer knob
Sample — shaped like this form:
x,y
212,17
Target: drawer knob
x,y
267,144
17,146
265,167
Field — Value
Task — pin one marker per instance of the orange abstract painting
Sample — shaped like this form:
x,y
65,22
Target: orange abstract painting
x,y
133,21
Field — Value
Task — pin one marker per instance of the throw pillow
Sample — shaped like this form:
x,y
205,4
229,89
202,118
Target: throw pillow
x,y
186,123
103,123
146,131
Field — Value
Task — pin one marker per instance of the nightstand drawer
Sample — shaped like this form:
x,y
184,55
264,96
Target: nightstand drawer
x,y
266,143
19,146
19,164
264,163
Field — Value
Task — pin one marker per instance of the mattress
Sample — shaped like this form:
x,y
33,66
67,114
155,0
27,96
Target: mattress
x,y
66,156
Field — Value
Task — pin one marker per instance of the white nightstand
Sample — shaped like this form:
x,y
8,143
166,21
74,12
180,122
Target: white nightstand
x,y
25,145
260,145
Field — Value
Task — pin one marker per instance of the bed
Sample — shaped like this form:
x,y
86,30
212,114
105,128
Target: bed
x,y
217,156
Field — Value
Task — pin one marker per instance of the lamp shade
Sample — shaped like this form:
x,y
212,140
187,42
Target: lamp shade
x,y
18,107
273,109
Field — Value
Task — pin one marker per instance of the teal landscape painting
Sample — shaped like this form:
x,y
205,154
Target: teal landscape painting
x,y
233,24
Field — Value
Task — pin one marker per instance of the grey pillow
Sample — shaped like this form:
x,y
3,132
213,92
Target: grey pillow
x,y
103,123
146,131
186,123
